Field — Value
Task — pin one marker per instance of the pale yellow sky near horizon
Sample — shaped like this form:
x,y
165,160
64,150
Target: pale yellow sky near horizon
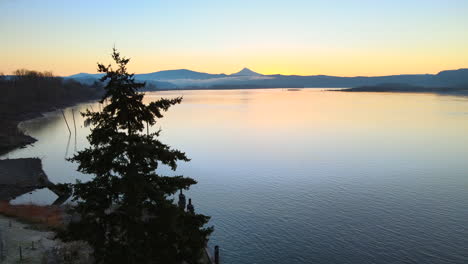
x,y
351,64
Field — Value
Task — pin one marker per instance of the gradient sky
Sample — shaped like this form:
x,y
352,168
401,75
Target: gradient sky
x,y
347,38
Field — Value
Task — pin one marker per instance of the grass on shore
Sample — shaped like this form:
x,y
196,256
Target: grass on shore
x,y
40,217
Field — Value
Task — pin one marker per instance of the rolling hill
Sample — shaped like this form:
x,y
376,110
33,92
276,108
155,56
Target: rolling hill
x,y
246,78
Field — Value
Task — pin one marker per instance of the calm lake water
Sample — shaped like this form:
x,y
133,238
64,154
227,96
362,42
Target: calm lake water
x,y
308,176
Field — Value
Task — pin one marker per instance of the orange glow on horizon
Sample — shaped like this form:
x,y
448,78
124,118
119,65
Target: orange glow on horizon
x,y
325,62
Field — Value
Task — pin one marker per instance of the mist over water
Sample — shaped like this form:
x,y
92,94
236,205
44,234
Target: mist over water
x,y
307,176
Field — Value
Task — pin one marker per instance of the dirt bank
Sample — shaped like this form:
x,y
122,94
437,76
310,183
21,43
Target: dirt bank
x,y
11,137
19,176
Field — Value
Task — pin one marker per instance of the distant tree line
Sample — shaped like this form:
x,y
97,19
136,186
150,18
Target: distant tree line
x,y
31,91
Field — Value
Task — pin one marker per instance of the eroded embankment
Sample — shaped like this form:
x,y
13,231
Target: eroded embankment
x,y
19,176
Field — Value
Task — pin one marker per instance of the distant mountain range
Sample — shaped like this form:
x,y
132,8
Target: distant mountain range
x,y
246,78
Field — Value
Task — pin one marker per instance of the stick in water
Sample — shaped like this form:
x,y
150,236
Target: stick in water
x,y
69,131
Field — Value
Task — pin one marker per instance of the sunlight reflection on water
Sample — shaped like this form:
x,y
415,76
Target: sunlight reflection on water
x,y
309,176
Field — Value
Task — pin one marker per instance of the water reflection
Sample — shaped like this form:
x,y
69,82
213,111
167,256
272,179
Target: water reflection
x,y
68,146
309,176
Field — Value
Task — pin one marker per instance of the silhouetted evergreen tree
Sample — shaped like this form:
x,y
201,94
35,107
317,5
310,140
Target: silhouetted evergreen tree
x,y
126,211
